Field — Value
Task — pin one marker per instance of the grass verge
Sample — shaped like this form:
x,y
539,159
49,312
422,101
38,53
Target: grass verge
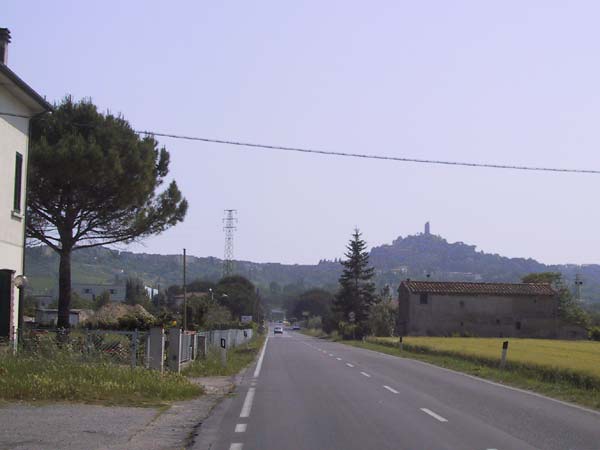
x,y
563,385
237,358
32,378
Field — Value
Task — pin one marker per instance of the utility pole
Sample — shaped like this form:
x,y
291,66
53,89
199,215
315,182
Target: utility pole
x,y
229,227
184,295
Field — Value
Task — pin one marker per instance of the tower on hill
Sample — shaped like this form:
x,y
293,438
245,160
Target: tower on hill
x,y
427,229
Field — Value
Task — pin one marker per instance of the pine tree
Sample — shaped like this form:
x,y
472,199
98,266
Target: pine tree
x,y
94,181
357,290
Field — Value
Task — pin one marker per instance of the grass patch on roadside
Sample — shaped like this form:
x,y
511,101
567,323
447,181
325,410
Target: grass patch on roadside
x,y
237,358
31,378
563,384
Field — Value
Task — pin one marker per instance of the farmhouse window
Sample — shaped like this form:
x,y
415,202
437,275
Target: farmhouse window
x,y
423,298
518,325
18,182
462,304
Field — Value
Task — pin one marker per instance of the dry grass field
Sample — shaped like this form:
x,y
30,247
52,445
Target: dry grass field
x,y
573,356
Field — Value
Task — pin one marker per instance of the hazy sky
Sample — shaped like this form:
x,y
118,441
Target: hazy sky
x,y
503,82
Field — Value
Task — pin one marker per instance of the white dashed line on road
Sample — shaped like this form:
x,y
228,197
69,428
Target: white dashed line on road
x,y
241,427
434,415
236,446
392,390
331,354
248,403
349,365
339,359
365,374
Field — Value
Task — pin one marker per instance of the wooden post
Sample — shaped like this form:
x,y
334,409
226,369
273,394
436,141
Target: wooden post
x,y
400,344
134,346
504,351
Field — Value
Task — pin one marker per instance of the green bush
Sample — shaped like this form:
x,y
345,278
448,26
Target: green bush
x,y
315,323
594,333
230,326
349,330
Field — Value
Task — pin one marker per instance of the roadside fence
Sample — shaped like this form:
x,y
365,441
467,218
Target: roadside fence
x,y
152,349
114,346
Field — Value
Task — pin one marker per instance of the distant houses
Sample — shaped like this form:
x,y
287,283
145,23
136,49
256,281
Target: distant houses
x,y
19,103
434,308
91,291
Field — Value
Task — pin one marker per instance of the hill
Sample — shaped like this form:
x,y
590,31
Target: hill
x,y
415,256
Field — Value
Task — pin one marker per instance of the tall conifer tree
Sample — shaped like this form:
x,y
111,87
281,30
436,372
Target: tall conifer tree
x,y
357,290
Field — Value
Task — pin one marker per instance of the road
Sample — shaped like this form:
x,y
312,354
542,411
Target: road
x,y
306,393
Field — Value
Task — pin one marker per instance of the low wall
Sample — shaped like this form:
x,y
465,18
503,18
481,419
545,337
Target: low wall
x,y
233,338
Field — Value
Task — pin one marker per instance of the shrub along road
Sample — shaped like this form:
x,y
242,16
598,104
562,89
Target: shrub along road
x,y
311,393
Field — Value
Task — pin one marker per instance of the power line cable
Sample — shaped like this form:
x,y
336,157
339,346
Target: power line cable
x,y
351,155
367,156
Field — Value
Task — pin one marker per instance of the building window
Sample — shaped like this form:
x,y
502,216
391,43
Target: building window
x,y
18,182
462,304
87,291
518,325
423,298
112,291
497,321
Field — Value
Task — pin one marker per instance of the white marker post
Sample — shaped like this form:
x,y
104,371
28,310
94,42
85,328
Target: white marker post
x,y
504,351
223,352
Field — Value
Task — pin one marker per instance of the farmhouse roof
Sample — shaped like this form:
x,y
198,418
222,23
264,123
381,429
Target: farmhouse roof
x,y
464,288
22,90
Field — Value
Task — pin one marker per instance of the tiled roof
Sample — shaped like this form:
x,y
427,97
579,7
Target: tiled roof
x,y
456,288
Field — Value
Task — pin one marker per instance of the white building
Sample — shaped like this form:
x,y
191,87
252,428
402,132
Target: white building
x,y
91,291
18,104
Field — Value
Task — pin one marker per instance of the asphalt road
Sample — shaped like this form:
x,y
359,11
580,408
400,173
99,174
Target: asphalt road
x,y
312,394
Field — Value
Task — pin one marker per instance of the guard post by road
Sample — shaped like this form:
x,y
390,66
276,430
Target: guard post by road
x,y
223,352
504,352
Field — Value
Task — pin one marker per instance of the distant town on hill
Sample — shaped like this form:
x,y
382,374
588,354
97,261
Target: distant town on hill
x,y
419,256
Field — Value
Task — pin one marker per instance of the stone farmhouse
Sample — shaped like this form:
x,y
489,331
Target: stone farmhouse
x,y
19,103
434,308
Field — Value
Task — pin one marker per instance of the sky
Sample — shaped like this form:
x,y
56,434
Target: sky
x,y
507,82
